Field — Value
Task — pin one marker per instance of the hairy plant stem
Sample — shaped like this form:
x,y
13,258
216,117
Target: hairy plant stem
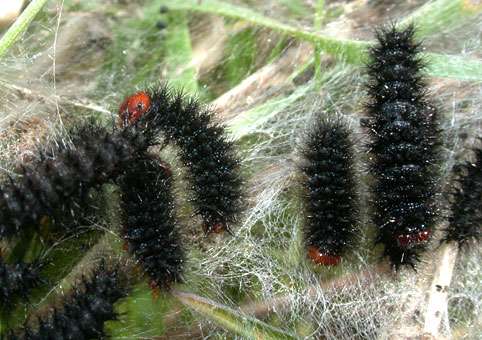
x,y
351,51
20,25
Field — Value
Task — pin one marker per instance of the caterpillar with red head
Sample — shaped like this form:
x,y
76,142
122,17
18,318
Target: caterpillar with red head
x,y
329,183
465,221
149,224
404,146
84,313
204,149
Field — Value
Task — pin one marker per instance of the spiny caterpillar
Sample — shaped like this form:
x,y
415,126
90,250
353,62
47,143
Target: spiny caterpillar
x,y
16,280
54,180
149,222
83,315
330,192
465,221
404,139
204,150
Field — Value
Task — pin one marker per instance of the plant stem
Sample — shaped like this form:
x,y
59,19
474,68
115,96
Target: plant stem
x,y
231,319
20,25
319,14
263,309
351,51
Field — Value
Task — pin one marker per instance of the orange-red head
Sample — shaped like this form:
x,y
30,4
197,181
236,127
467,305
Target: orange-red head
x,y
134,106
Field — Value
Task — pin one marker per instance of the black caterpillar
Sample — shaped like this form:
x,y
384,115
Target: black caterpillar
x,y
204,150
405,136
330,192
465,221
55,179
149,223
83,315
16,280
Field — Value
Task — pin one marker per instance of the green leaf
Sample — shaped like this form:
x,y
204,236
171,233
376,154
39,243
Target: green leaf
x,y
178,53
230,319
351,51
240,52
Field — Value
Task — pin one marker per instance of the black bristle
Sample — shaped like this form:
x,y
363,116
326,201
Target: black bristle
x,y
205,150
17,280
465,222
56,179
83,315
149,224
405,138
329,183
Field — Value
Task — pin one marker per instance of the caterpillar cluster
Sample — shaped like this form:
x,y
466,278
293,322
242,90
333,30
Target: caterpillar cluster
x,y
97,156
465,222
405,137
404,132
330,192
54,180
83,315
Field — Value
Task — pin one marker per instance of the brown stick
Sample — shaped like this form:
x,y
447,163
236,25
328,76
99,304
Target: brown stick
x,y
437,301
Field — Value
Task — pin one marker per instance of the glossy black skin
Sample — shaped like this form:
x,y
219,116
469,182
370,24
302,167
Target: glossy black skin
x,y
329,183
404,146
149,224
205,151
